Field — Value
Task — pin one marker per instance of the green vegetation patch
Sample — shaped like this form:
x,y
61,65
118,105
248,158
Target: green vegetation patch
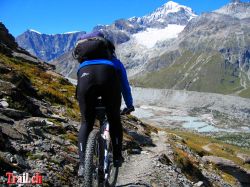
x,y
71,137
47,85
196,72
216,147
238,139
189,167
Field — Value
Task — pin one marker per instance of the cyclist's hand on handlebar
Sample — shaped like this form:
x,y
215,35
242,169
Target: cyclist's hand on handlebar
x,y
127,110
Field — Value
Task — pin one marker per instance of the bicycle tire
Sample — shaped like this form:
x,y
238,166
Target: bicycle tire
x,y
115,175
89,165
89,155
113,183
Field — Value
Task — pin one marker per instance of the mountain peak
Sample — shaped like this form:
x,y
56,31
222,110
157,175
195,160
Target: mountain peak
x,y
163,14
171,5
236,8
71,32
32,30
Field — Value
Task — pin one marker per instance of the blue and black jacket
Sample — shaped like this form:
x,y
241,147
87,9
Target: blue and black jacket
x,y
126,91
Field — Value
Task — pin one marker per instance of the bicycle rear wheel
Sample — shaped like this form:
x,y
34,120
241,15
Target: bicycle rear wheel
x,y
91,175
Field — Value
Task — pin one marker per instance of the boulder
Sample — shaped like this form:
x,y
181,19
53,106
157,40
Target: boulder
x,y
5,119
21,129
21,162
33,122
2,140
244,157
6,165
14,114
9,131
6,86
164,159
199,184
229,167
4,104
4,69
24,84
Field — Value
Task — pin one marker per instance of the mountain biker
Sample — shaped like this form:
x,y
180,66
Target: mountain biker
x,y
107,78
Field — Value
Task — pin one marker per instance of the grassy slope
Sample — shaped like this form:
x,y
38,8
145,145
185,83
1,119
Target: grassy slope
x,y
218,148
50,86
196,72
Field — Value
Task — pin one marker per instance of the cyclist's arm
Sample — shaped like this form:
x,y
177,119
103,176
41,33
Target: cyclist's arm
x,y
126,91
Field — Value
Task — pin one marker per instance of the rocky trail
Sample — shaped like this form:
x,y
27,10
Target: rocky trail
x,y
169,162
149,169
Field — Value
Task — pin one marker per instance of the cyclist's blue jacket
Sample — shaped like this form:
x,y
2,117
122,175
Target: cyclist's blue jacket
x,y
126,91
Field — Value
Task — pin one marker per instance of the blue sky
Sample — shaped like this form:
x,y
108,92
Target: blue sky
x,y
59,16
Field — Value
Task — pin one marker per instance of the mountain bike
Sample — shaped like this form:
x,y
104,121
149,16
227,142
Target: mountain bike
x,y
99,169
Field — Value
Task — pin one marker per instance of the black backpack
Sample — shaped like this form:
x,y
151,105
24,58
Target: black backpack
x,y
93,48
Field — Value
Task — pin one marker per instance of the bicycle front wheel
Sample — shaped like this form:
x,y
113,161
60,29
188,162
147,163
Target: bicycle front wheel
x,y
112,171
91,176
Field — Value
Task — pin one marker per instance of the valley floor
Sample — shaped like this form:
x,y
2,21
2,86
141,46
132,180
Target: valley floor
x,y
193,127
221,116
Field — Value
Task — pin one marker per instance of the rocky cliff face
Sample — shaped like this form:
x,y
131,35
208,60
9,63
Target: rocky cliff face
x,y
236,9
34,117
7,40
45,46
66,65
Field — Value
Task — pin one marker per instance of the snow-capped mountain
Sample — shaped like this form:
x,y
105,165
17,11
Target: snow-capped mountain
x,y
211,54
47,46
151,36
173,48
169,13
138,39
162,24
157,30
166,22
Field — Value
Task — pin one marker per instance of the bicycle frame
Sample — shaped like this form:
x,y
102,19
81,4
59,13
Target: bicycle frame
x,y
105,135
99,170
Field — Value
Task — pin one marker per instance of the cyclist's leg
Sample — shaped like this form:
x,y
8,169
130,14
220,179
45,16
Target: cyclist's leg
x,y
112,99
86,95
87,121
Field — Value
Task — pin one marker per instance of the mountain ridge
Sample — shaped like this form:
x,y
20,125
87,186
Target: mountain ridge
x,y
220,36
136,29
47,46
236,8
212,44
119,32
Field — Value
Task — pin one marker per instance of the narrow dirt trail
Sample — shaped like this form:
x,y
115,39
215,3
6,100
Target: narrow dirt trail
x,y
145,169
